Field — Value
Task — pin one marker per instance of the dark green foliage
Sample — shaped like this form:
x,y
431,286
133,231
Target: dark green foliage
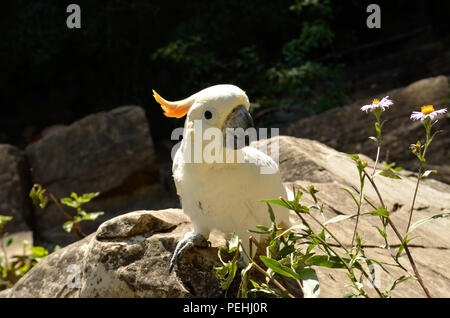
x,y
298,71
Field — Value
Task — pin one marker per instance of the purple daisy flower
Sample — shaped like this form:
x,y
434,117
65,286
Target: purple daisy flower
x,y
376,103
427,111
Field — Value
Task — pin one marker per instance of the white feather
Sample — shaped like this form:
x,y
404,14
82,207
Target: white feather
x,y
227,196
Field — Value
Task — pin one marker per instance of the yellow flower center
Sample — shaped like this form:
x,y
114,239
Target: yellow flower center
x,y
375,101
427,109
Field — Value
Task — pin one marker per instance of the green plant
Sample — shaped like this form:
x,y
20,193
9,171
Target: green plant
x,y
295,253
40,197
294,76
13,267
76,202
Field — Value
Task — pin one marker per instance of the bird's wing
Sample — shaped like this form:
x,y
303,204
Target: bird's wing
x,y
267,185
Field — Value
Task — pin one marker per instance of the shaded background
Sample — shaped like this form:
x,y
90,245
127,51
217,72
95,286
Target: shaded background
x,y
305,54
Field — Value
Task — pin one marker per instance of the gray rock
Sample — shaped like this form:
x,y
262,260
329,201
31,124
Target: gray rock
x,y
53,276
108,152
14,184
128,256
305,162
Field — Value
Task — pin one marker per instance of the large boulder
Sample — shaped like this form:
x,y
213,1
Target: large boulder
x,y
14,184
304,162
108,152
348,128
129,255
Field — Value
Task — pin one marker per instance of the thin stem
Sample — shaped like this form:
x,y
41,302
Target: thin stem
x,y
262,271
376,159
388,246
361,194
413,265
414,198
328,246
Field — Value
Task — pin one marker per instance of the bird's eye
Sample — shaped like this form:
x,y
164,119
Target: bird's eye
x,y
208,114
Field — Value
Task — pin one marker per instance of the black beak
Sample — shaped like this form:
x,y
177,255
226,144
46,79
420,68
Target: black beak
x,y
235,128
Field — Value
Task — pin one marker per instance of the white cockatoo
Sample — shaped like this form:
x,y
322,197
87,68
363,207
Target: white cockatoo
x,y
216,189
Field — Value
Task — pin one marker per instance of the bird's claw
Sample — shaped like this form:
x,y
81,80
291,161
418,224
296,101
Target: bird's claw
x,y
190,240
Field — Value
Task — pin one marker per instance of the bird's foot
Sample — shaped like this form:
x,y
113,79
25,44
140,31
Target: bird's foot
x,y
189,241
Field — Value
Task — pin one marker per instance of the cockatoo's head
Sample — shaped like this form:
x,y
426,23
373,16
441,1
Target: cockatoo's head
x,y
220,106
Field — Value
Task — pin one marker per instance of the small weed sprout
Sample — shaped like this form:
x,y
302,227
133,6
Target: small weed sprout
x,y
13,267
40,197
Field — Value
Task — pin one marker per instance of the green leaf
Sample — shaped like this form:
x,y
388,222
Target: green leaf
x,y
389,173
428,219
278,268
91,216
4,219
38,252
325,261
244,290
38,197
354,157
396,282
262,229
221,271
288,249
67,226
87,197
310,283
339,218
289,230
349,295
351,194
10,241
374,139
378,129
296,202
382,233
380,212
43,203
427,173
232,269
278,202
255,284
312,191
405,241
69,202
234,243
271,214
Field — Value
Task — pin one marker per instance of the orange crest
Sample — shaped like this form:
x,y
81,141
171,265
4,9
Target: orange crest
x,y
174,109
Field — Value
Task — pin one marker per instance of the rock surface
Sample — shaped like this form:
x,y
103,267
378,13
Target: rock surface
x,y
129,255
14,188
348,128
108,152
304,162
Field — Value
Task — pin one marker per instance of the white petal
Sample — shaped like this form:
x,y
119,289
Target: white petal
x,y
366,108
441,111
417,116
437,113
